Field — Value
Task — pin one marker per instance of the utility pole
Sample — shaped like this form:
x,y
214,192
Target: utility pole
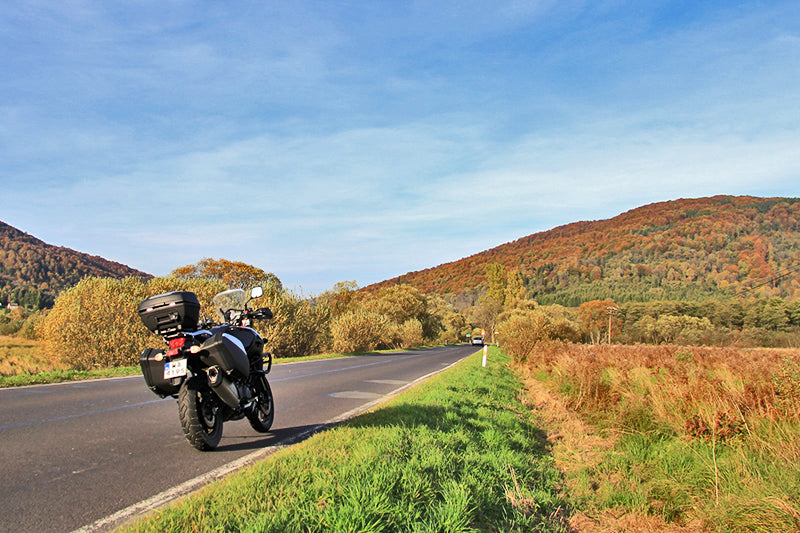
x,y
611,310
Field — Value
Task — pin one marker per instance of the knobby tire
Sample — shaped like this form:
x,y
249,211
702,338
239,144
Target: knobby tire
x,y
199,414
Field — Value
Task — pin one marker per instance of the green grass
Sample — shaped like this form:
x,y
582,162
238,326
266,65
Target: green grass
x,y
730,486
457,453
58,376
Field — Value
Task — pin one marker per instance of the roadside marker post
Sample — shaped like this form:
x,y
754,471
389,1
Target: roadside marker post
x,y
485,353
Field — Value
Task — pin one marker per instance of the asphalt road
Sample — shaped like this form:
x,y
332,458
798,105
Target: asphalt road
x,y
89,455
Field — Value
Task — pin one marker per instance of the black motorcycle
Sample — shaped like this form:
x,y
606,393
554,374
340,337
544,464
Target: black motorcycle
x,y
215,370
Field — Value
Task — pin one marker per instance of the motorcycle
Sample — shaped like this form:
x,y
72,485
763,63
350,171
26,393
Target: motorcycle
x,y
216,371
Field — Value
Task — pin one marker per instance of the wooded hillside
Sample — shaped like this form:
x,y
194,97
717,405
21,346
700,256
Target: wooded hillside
x,y
33,272
683,249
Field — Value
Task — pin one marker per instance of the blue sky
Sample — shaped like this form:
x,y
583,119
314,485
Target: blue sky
x,y
327,140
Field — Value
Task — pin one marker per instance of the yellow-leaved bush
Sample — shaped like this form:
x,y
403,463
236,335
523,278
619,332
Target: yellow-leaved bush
x,y
360,331
95,324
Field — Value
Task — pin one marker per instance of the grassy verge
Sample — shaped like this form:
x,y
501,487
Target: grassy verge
x,y
457,453
663,438
26,362
59,376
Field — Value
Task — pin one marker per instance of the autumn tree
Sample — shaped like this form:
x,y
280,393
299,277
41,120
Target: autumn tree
x,y
234,274
515,295
523,330
453,326
485,315
496,278
96,323
341,298
594,318
400,303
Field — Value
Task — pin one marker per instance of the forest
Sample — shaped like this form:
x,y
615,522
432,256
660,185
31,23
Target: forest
x,y
32,272
696,249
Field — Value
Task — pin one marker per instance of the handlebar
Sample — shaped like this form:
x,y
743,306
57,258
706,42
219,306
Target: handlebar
x,y
264,313
236,317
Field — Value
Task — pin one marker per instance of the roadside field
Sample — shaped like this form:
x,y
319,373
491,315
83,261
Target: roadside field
x,y
26,362
457,453
672,438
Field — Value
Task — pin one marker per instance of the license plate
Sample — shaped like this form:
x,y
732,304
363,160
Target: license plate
x,y
175,369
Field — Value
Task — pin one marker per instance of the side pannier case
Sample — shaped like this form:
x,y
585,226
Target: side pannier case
x,y
152,362
170,313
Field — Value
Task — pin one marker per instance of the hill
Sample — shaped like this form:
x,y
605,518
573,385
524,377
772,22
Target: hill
x,y
688,248
33,272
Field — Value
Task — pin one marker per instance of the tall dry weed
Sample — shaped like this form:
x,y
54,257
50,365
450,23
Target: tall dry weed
x,y
693,390
707,438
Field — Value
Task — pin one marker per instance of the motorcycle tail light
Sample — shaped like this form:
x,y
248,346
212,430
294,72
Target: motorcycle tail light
x,y
177,342
175,346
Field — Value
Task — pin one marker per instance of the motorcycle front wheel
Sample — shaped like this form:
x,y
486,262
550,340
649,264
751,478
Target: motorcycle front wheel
x,y
200,415
263,411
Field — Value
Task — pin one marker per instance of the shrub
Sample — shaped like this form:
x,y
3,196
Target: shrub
x,y
32,327
360,331
411,333
298,328
522,331
95,324
11,327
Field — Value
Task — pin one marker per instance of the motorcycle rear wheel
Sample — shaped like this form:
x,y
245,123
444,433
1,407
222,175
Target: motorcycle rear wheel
x,y
199,414
263,412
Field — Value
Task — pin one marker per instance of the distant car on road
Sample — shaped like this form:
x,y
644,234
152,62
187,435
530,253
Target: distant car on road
x,y
477,340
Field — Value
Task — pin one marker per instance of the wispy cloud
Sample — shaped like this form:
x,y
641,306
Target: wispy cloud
x,y
342,141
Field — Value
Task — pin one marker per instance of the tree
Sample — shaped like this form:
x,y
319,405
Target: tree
x,y
234,274
96,324
341,298
594,318
515,293
523,330
485,314
774,315
450,325
496,278
400,303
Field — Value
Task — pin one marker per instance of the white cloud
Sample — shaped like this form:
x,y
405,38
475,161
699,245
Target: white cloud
x,y
363,141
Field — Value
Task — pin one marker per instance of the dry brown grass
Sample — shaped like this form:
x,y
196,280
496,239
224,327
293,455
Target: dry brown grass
x,y
741,403
699,390
22,356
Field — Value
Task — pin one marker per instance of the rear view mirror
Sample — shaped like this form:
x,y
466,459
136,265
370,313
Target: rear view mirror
x,y
257,292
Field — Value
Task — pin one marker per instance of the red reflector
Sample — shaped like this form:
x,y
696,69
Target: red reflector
x,y
173,352
177,342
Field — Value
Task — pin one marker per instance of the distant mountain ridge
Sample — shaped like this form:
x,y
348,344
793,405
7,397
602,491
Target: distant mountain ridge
x,y
688,248
33,272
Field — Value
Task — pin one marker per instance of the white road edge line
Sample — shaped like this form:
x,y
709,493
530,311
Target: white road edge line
x,y
184,489
70,382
